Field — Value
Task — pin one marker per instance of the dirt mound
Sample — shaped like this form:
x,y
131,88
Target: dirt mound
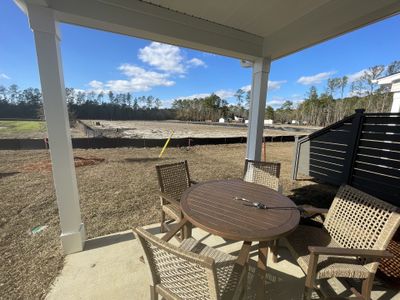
x,y
45,165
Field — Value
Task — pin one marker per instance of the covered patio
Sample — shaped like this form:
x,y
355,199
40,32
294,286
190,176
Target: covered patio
x,y
110,268
256,34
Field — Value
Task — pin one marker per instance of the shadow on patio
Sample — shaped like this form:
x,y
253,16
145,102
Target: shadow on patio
x,y
110,268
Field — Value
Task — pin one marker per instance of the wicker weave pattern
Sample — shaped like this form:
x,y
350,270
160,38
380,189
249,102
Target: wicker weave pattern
x,y
328,267
174,179
182,273
264,173
361,221
228,279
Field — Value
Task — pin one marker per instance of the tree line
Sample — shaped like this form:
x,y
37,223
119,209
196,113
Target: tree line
x,y
27,103
319,108
331,105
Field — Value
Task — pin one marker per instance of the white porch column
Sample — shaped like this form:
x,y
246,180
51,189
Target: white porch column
x,y
396,98
259,86
47,38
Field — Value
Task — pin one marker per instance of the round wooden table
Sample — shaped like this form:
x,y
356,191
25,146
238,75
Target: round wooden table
x,y
211,206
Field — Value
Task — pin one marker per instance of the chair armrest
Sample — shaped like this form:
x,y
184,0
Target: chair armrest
x,y
193,182
367,253
309,209
169,199
174,230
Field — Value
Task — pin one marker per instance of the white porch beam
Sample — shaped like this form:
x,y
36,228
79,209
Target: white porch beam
x,y
47,38
259,85
148,21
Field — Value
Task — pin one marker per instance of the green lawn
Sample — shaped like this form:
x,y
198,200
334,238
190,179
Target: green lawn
x,y
20,129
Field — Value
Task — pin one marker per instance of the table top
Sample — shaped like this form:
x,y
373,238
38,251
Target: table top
x,y
211,206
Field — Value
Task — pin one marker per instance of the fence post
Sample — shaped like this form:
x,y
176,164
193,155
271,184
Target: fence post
x,y
296,154
356,128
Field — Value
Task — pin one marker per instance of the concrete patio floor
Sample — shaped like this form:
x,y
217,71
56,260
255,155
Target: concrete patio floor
x,y
109,268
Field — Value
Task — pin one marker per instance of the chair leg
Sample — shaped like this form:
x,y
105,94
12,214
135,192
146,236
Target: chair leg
x,y
274,251
311,276
307,293
153,293
187,231
367,287
162,228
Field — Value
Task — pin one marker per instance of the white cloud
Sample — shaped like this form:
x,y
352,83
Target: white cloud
x,y
168,58
167,61
275,85
196,62
246,88
272,85
4,76
139,80
164,57
357,75
95,84
225,94
194,96
315,79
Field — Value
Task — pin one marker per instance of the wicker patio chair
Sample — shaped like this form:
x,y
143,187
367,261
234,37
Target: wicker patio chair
x,y
264,173
173,180
357,229
191,270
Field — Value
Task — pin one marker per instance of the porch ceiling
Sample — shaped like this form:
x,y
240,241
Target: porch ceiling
x,y
237,28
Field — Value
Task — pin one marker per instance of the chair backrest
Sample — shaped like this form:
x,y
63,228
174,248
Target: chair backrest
x,y
173,179
179,273
262,172
360,221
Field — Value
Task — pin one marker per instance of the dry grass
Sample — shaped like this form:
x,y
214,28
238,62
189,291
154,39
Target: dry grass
x,y
116,195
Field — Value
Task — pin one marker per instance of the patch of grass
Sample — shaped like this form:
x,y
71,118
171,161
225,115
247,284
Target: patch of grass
x,y
22,126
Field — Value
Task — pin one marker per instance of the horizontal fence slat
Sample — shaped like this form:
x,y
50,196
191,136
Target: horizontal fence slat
x,y
326,176
379,161
383,170
382,120
380,145
332,159
325,151
329,145
381,137
376,152
327,165
377,177
334,136
381,128
388,193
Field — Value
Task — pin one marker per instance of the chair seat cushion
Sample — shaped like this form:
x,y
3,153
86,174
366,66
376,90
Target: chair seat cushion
x,y
328,266
228,277
172,211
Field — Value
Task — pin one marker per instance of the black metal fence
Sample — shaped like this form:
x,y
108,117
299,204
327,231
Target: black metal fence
x,y
103,142
362,150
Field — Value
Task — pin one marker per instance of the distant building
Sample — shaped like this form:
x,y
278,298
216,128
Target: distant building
x,y
268,122
239,119
221,120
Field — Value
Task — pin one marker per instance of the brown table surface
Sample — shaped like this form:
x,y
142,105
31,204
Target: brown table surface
x,y
211,207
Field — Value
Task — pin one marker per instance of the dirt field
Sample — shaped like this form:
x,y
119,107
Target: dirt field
x,y
116,194
163,129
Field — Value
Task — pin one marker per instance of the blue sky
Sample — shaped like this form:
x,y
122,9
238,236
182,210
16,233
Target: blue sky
x,y
95,60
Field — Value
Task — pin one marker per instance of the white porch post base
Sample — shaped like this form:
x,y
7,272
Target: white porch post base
x,y
396,102
47,39
74,241
259,86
